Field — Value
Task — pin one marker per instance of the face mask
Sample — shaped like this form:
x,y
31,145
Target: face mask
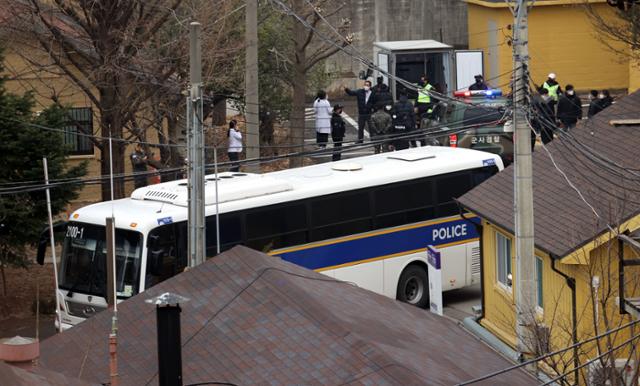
x,y
367,88
570,92
600,96
546,97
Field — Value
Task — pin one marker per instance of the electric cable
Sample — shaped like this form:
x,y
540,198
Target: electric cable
x,y
547,355
412,135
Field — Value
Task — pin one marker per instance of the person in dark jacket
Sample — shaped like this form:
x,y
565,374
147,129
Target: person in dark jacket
x,y
337,132
594,107
479,84
605,99
544,120
382,96
365,102
403,122
569,108
139,166
380,86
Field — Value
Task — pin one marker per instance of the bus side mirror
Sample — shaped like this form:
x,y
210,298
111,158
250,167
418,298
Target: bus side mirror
x,y
43,241
42,245
156,261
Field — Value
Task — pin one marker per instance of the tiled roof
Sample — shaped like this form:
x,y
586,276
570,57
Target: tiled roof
x,y
14,376
601,160
255,319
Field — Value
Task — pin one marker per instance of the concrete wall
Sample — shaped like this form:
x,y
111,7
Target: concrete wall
x,y
388,20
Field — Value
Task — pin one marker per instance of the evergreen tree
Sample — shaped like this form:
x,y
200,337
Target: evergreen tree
x,y
22,145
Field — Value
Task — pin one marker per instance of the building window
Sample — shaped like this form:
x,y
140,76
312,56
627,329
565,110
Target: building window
x,y
79,124
539,270
503,257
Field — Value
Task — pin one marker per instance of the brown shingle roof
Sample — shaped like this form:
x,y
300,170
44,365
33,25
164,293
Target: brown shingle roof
x,y
254,319
599,159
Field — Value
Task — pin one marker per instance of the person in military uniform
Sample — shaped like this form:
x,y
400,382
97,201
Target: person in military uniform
x,y
380,124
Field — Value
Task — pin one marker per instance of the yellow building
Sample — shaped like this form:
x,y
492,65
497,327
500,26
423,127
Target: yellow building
x,y
562,40
586,193
50,84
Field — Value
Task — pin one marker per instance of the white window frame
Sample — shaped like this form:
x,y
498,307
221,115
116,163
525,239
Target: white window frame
x,y
539,284
508,274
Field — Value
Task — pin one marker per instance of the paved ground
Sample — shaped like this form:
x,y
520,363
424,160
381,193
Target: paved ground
x,y
458,303
350,116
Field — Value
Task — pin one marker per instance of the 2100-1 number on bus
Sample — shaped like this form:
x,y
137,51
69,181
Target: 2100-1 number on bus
x,y
75,232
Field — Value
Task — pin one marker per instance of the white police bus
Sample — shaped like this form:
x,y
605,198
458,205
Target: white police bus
x,y
367,220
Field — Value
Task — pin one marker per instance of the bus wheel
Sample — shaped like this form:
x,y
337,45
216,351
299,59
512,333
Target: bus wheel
x,y
413,286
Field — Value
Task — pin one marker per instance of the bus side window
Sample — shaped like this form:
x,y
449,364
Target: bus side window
x,y
481,174
162,262
230,232
449,187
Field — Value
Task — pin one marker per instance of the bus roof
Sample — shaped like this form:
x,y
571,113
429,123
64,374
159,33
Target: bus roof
x,y
167,202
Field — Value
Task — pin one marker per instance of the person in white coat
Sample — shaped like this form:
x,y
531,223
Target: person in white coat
x,y
235,145
322,108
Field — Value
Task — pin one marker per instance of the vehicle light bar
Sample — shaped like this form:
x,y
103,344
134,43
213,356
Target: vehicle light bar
x,y
471,93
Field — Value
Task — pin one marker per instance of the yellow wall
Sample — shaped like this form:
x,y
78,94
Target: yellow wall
x,y
45,85
561,40
499,307
634,76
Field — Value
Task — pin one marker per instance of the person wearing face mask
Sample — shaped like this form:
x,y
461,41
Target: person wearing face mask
x,y
569,108
605,99
338,129
365,102
423,103
544,121
552,86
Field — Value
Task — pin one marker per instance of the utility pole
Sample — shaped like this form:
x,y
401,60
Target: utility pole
x,y
196,150
523,183
251,84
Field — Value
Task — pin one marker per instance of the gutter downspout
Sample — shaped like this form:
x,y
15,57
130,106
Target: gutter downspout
x,y
479,229
571,283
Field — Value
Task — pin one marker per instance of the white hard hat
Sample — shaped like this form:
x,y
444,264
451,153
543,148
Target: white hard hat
x,y
552,76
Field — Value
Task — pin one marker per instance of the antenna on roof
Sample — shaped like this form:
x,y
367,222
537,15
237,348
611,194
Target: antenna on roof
x,y
112,295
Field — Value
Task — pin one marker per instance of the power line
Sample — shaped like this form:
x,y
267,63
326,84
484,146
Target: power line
x,y
599,357
429,133
548,355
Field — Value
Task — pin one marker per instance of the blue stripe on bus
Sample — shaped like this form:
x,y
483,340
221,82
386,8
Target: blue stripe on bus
x,y
376,245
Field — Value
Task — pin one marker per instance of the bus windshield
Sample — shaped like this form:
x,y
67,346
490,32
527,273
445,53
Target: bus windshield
x,y
84,260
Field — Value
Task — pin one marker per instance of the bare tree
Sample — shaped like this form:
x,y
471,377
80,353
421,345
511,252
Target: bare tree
x,y
597,362
313,41
621,33
128,58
